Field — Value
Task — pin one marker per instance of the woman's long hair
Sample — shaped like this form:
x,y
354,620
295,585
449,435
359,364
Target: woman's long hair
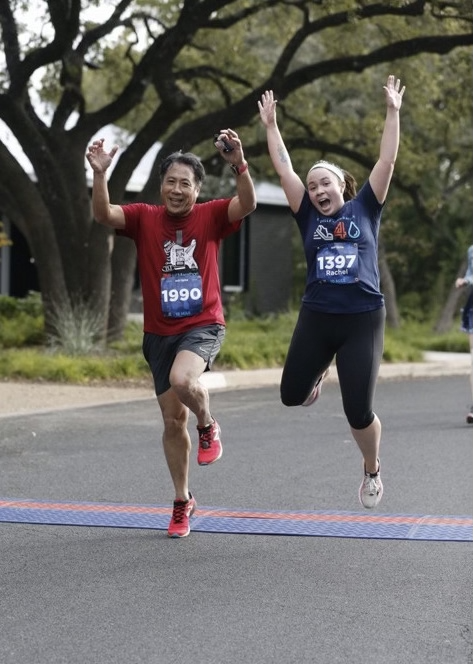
x,y
350,186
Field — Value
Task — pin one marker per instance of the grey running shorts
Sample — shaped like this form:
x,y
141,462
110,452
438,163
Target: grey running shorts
x,y
160,351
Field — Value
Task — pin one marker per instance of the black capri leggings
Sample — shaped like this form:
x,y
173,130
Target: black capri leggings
x,y
356,340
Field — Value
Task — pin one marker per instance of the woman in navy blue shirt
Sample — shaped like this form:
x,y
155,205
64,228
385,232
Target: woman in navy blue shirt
x,y
342,313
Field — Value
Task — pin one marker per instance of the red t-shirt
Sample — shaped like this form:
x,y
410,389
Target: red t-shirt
x,y
178,264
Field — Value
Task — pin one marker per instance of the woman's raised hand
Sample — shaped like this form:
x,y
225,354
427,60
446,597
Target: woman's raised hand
x,y
267,108
394,92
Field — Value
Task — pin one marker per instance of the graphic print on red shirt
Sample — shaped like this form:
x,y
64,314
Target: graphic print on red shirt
x,y
178,264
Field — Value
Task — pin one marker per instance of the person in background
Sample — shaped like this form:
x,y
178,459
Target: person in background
x,y
467,318
178,247
342,313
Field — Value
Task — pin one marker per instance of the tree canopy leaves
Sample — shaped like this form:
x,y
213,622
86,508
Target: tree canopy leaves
x,y
174,72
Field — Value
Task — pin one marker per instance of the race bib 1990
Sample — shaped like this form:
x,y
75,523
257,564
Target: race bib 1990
x,y
337,263
181,295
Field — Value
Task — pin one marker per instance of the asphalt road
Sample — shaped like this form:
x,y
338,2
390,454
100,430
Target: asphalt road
x,y
92,595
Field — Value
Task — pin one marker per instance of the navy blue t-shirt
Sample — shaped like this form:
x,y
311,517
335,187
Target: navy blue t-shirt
x,y
342,255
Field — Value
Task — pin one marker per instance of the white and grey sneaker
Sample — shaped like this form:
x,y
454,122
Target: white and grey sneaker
x,y
371,489
315,394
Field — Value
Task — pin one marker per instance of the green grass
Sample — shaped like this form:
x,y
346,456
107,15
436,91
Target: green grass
x,y
258,343
39,364
249,344
405,343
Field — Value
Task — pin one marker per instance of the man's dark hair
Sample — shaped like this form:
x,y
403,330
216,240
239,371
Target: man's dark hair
x,y
187,158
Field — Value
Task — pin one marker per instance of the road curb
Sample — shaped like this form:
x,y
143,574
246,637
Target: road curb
x,y
18,399
451,364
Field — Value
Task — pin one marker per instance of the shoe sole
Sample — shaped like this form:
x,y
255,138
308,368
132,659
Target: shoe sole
x,y
370,507
318,391
376,499
209,463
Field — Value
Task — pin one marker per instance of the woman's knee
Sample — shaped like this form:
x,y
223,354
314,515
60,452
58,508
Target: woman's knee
x,y
288,398
360,420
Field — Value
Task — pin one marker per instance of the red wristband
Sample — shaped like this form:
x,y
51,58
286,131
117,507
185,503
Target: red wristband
x,y
239,170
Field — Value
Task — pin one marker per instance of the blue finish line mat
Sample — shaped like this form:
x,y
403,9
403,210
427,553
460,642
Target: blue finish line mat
x,y
243,522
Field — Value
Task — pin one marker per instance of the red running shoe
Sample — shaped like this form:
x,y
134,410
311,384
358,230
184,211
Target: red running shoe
x,y
210,445
182,511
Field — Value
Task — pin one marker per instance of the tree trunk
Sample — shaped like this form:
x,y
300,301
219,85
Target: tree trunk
x,y
97,291
389,289
452,305
450,308
123,276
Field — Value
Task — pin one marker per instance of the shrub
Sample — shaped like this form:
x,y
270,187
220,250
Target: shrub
x,y
30,306
21,321
22,330
76,329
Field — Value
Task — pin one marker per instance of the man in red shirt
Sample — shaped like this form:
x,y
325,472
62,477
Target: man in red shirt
x,y
178,244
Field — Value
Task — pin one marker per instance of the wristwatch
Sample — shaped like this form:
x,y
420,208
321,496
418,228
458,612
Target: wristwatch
x,y
238,170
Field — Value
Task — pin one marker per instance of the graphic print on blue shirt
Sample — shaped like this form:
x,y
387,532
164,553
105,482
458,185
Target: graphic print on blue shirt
x,y
181,285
